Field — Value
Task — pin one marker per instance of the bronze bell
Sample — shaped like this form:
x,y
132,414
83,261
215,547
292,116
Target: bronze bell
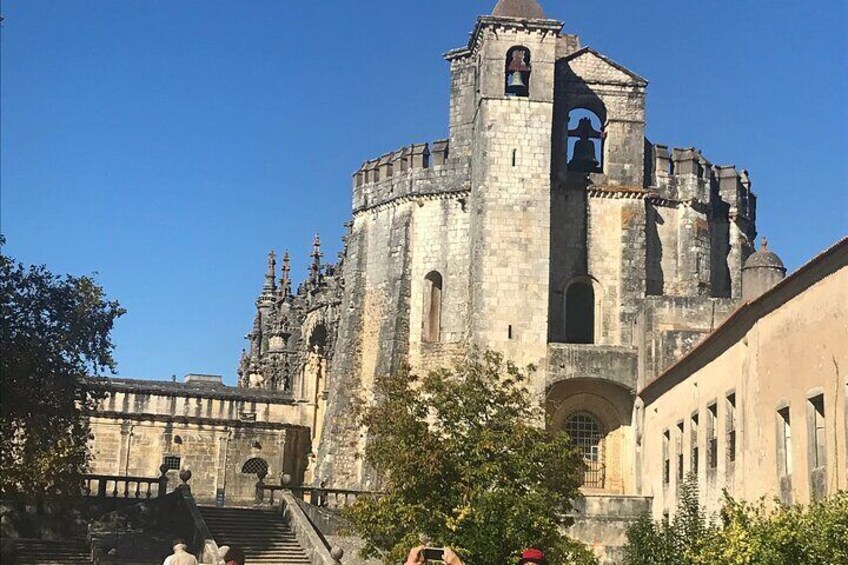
x,y
584,159
516,81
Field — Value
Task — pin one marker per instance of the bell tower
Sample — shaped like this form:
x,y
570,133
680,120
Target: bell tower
x,y
514,52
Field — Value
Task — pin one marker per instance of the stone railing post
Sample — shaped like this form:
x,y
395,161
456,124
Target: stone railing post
x,y
163,480
185,477
260,485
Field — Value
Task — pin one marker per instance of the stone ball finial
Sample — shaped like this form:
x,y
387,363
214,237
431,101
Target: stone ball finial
x,y
519,9
163,469
337,553
185,476
285,480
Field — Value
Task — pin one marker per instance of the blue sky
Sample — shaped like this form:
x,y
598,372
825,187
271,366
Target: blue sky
x,y
168,146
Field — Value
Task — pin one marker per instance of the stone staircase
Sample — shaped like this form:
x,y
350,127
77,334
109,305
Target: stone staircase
x,y
264,535
44,552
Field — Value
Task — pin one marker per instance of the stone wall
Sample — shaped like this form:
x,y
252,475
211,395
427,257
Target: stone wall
x,y
212,431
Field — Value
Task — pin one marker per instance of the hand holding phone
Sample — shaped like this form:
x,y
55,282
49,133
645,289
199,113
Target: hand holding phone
x,y
432,553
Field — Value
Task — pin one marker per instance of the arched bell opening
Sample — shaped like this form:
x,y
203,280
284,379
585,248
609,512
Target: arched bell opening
x,y
597,416
518,70
586,135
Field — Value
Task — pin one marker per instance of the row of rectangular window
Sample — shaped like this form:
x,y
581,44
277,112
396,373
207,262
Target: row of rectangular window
x,y
712,440
817,445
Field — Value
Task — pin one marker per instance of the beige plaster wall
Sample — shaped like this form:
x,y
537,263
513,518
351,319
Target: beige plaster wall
x,y
787,355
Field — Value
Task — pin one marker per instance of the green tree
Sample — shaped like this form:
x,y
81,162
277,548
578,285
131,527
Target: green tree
x,y
55,332
463,460
678,542
743,534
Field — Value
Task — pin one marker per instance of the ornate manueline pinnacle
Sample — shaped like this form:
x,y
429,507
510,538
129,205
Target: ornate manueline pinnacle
x,y
255,337
285,279
270,275
315,267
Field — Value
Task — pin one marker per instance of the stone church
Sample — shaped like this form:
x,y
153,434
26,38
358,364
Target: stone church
x,y
546,226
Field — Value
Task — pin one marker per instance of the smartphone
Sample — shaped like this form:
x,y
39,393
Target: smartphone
x,y
432,554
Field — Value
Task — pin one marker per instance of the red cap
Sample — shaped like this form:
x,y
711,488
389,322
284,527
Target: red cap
x,y
533,555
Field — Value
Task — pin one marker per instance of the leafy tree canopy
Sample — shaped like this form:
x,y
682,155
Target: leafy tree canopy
x,y
463,460
743,534
55,332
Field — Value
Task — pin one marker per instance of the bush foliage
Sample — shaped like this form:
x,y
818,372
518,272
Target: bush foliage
x,y
463,461
743,534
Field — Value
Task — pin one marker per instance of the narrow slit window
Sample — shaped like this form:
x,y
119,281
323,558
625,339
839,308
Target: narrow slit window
x,y
731,427
712,436
693,442
784,445
816,426
432,318
679,452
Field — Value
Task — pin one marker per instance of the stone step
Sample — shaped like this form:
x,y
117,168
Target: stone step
x,y
264,535
47,552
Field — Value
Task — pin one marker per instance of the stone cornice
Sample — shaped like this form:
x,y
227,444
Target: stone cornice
x,y
420,197
191,420
182,390
483,22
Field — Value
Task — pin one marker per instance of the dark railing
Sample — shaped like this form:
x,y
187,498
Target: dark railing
x,y
593,474
114,486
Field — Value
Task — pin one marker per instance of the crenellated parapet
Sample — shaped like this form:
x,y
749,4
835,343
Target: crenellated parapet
x,y
418,169
684,174
707,213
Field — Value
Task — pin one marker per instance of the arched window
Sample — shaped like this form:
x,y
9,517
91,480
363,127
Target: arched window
x,y
518,72
432,319
580,313
254,466
585,141
586,434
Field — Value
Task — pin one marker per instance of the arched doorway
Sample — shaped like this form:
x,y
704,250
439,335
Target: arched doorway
x,y
597,416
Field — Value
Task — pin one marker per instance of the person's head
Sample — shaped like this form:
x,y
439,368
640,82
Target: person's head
x,y
179,544
532,556
234,554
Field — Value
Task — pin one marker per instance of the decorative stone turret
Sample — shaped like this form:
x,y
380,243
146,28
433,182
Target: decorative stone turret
x,y
762,271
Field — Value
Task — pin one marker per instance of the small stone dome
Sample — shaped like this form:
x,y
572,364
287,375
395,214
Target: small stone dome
x,y
520,9
764,258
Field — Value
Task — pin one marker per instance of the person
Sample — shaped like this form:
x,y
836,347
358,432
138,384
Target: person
x,y
530,556
234,556
180,555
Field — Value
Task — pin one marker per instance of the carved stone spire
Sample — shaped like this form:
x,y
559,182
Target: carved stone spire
x,y
315,267
255,337
270,275
285,280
